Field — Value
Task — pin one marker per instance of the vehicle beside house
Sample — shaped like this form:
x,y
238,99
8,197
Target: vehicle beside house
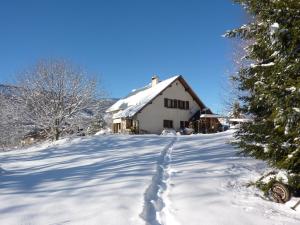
x,y
167,104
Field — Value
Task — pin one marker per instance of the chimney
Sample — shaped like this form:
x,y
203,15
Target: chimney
x,y
154,80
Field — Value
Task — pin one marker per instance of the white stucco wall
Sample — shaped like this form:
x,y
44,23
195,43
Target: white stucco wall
x,y
152,116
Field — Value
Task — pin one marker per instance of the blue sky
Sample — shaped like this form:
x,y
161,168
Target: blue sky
x,y
124,42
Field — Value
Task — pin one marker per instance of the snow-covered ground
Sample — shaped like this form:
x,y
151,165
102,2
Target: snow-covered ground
x,y
132,180
208,186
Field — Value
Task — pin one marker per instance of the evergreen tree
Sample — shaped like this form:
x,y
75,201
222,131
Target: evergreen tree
x,y
236,110
271,83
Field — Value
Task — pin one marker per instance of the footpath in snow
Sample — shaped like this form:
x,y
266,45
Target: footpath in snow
x,y
136,180
155,211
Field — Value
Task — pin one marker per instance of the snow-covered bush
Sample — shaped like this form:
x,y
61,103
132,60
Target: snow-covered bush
x,y
168,132
12,127
188,131
104,131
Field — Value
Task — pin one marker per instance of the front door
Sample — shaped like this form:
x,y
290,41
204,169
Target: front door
x,y
117,127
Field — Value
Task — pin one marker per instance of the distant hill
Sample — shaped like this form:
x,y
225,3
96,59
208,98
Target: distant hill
x,y
105,103
8,90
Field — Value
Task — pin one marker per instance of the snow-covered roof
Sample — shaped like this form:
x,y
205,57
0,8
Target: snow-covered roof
x,y
211,116
242,120
245,119
137,99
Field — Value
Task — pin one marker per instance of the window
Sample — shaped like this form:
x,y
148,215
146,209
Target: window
x,y
128,124
176,104
181,104
184,124
168,123
168,103
187,105
171,103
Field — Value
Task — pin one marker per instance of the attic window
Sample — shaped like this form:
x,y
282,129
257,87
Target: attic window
x,y
187,105
176,104
181,104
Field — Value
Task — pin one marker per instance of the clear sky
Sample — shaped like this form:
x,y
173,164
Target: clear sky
x,y
125,42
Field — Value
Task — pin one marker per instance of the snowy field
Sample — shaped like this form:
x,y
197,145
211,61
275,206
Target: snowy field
x,y
133,180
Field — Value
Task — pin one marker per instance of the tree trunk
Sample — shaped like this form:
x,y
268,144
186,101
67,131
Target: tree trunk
x,y
56,130
57,133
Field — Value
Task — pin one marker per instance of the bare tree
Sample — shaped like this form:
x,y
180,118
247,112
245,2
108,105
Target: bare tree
x,y
4,120
11,129
54,93
230,91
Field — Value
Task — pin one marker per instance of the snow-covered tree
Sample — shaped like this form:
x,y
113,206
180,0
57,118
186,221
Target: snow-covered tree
x,y
55,93
271,84
236,110
11,127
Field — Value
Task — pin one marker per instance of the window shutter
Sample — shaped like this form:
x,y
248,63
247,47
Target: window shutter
x,y
166,102
186,124
187,105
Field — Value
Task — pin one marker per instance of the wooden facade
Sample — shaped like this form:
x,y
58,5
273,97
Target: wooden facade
x,y
206,125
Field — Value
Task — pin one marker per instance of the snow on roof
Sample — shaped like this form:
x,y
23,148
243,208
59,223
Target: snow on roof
x,y
242,120
211,116
137,99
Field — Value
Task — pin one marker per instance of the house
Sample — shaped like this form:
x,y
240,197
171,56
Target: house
x,y
170,103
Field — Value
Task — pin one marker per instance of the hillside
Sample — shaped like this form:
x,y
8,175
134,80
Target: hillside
x,y
149,179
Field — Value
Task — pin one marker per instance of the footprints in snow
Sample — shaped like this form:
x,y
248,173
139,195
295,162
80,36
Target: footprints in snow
x,y
154,199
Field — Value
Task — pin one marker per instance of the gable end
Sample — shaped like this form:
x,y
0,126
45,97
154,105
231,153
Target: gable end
x,y
187,88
